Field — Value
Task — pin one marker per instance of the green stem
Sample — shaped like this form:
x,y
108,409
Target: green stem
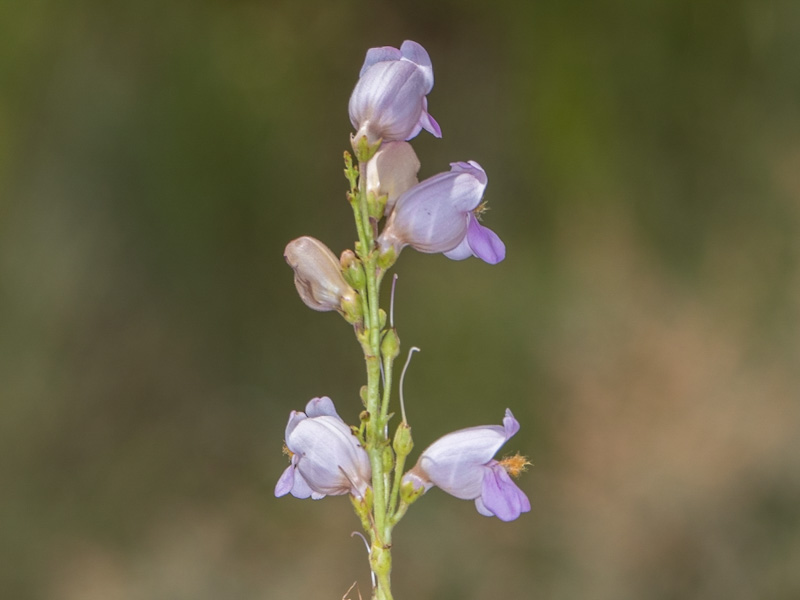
x,y
376,441
362,238
388,362
395,493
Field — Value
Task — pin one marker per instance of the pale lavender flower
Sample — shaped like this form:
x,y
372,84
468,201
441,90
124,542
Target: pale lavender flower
x,y
462,464
389,101
327,458
438,215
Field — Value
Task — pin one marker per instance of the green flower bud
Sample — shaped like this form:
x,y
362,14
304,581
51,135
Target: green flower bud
x,y
390,345
352,269
402,443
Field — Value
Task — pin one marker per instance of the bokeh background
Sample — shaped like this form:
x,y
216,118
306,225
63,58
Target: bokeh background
x,y
644,168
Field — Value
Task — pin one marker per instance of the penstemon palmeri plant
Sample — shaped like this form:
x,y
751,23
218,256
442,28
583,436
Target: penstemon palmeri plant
x,y
440,214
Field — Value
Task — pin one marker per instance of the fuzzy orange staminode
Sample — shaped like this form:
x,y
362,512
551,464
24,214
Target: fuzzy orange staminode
x,y
514,465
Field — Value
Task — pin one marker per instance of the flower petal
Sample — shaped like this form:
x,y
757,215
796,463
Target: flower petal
x,y
301,489
500,496
427,122
295,418
473,168
460,252
414,52
485,243
322,407
510,424
381,54
456,462
285,483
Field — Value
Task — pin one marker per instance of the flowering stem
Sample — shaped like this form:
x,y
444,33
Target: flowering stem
x,y
376,440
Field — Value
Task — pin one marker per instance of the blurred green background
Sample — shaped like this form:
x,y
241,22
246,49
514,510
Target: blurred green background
x,y
644,169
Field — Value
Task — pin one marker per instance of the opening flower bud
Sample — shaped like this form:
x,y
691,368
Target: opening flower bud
x,y
392,171
318,277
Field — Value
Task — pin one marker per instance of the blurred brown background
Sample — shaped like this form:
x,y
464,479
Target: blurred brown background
x,y
644,168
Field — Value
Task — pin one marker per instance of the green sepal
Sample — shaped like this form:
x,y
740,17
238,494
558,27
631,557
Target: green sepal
x,y
408,494
363,508
363,149
352,309
376,205
387,258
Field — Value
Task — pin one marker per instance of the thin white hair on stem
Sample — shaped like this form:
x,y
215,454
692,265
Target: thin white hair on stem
x,y
391,302
369,553
402,378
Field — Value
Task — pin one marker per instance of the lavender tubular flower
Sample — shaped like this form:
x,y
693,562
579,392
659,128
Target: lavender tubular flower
x,y
389,101
462,464
438,215
327,459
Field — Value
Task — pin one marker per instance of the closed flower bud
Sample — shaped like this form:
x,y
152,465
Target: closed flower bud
x,y
462,464
438,215
327,459
389,101
390,345
352,270
318,276
392,171
403,442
